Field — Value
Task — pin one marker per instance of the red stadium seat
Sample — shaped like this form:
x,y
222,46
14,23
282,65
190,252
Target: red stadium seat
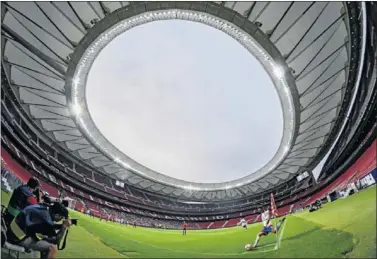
x,y
365,164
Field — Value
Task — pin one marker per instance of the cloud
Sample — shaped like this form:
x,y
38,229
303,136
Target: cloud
x,y
185,100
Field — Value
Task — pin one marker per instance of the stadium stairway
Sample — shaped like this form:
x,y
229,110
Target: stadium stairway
x,y
232,222
224,225
210,225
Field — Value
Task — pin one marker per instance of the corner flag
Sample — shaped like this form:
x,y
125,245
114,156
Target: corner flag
x,y
273,206
274,214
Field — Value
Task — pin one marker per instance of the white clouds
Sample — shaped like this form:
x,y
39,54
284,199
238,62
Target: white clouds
x,y
185,100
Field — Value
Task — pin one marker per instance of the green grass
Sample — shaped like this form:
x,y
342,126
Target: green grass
x,y
345,228
356,215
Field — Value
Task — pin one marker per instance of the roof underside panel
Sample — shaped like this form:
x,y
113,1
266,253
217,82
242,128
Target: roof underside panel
x,y
312,36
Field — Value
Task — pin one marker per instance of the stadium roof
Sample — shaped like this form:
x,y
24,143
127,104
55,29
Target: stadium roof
x,y
48,48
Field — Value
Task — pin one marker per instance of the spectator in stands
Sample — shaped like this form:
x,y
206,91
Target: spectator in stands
x,y
34,228
22,197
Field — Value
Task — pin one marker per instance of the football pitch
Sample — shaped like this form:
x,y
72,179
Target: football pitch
x,y
345,228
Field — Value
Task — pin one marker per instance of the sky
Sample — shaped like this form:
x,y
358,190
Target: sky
x,y
185,100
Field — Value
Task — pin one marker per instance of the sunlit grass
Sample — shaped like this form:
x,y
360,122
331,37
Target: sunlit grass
x,y
345,228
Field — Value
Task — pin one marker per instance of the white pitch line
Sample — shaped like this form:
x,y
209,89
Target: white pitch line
x,y
277,246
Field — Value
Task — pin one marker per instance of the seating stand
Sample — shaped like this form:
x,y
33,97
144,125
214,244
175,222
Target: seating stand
x,y
18,249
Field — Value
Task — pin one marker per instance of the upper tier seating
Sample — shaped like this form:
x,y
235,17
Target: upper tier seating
x,y
365,164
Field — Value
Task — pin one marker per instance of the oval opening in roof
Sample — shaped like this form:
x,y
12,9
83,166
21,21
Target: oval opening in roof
x,y
185,100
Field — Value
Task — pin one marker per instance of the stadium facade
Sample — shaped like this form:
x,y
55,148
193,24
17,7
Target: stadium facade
x,y
321,57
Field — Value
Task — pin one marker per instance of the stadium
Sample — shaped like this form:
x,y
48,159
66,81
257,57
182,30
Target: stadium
x,y
317,185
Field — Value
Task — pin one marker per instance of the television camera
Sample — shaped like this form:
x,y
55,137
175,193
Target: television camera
x,y
53,206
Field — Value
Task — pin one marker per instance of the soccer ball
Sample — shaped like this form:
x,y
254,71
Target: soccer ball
x,y
248,247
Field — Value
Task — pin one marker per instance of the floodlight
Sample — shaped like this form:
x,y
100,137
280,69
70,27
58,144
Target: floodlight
x,y
76,81
279,72
76,109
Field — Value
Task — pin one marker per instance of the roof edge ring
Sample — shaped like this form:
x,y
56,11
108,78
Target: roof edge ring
x,y
238,27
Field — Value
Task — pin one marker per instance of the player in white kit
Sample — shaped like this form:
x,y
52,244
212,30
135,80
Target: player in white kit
x,y
243,223
267,226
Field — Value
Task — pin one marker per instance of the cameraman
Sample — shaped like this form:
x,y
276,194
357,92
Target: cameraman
x,y
22,197
35,229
